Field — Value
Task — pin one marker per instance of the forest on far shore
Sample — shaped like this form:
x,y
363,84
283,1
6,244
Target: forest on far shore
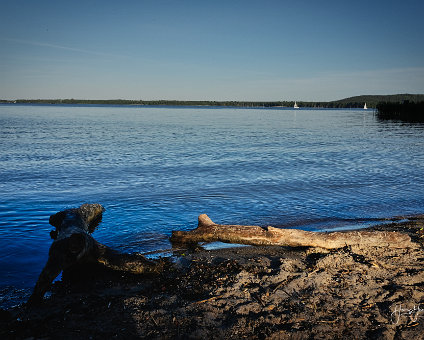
x,y
351,102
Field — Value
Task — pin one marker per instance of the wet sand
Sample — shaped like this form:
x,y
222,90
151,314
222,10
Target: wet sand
x,y
235,293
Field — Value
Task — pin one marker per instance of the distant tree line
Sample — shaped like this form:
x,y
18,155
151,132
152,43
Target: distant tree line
x,y
373,100
352,102
240,104
155,102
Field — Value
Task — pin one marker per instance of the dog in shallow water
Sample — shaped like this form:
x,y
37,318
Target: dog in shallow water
x,y
72,243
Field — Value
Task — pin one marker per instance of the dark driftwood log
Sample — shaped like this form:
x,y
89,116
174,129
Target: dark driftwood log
x,y
208,231
73,244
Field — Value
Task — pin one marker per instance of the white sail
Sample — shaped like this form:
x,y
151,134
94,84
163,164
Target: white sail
x,y
365,106
295,105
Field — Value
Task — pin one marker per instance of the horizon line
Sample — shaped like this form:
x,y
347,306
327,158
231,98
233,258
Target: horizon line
x,y
209,100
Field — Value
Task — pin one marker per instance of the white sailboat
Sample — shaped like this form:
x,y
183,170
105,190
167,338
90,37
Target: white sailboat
x,y
365,106
295,105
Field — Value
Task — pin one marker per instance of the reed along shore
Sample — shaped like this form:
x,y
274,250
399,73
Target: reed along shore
x,y
406,111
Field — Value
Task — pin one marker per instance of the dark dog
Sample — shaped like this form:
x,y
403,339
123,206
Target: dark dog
x,y
72,243
73,246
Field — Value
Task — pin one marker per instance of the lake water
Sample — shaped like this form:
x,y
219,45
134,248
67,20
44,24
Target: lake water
x,y
155,169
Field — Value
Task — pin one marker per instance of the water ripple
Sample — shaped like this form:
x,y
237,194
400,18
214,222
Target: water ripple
x,y
157,169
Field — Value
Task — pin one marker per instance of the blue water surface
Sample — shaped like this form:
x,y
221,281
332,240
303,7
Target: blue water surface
x,y
155,169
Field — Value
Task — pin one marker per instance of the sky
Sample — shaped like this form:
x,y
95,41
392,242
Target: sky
x,y
263,50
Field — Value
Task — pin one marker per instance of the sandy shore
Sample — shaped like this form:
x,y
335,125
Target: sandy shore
x,y
249,292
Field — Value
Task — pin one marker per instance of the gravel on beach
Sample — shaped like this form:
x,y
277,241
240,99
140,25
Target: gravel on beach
x,y
241,292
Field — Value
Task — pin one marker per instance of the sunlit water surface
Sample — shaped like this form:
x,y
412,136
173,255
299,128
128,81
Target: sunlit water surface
x,y
155,169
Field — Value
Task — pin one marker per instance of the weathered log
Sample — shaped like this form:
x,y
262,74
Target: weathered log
x,y
73,245
208,231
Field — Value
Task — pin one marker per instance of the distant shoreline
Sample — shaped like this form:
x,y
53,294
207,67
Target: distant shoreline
x,y
276,107
351,102
223,104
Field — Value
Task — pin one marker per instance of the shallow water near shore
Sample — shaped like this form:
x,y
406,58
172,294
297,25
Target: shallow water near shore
x,y
155,169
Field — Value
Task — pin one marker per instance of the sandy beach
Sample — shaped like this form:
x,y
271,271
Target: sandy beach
x,y
246,292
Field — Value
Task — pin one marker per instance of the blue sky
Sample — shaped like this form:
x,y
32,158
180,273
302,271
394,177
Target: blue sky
x,y
210,50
